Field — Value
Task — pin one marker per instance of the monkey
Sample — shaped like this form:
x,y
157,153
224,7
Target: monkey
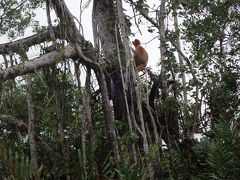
x,y
140,55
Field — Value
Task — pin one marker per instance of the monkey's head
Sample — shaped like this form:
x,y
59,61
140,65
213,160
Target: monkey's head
x,y
136,42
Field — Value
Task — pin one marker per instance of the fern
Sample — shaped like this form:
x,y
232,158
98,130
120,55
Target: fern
x,y
16,166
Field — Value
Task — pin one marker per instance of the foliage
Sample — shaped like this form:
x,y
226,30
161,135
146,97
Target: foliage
x,y
16,16
16,166
220,154
134,172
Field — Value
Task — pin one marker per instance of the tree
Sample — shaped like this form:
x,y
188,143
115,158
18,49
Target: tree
x,y
96,116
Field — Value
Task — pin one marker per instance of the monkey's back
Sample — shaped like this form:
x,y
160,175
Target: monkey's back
x,y
140,56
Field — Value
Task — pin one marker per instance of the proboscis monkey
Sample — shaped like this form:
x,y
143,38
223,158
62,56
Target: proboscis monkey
x,y
140,55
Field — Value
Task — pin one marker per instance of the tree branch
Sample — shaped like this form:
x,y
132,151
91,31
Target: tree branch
x,y
23,127
25,42
37,63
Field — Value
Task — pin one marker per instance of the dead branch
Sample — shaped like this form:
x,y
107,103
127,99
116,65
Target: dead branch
x,y
38,38
37,63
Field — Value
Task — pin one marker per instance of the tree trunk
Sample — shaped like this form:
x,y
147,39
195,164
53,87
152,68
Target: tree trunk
x,y
86,128
162,29
171,132
103,20
109,116
32,142
30,107
178,43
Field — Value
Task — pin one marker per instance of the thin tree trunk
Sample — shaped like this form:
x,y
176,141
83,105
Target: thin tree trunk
x,y
192,129
87,119
30,107
31,132
130,126
179,56
50,27
89,126
163,48
108,112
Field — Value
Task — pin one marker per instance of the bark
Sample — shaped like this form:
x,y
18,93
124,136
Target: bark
x,y
124,90
166,121
37,63
104,19
163,48
108,41
85,100
88,103
12,47
87,123
179,56
50,27
30,107
67,24
109,116
31,131
5,60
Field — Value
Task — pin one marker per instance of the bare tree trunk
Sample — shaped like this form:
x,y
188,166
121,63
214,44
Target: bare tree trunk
x,y
103,20
162,28
108,112
86,127
50,27
31,132
169,120
128,115
87,94
179,55
107,40
162,15
192,129
30,107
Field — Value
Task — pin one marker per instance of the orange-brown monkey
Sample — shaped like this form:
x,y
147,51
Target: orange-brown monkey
x,y
140,55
